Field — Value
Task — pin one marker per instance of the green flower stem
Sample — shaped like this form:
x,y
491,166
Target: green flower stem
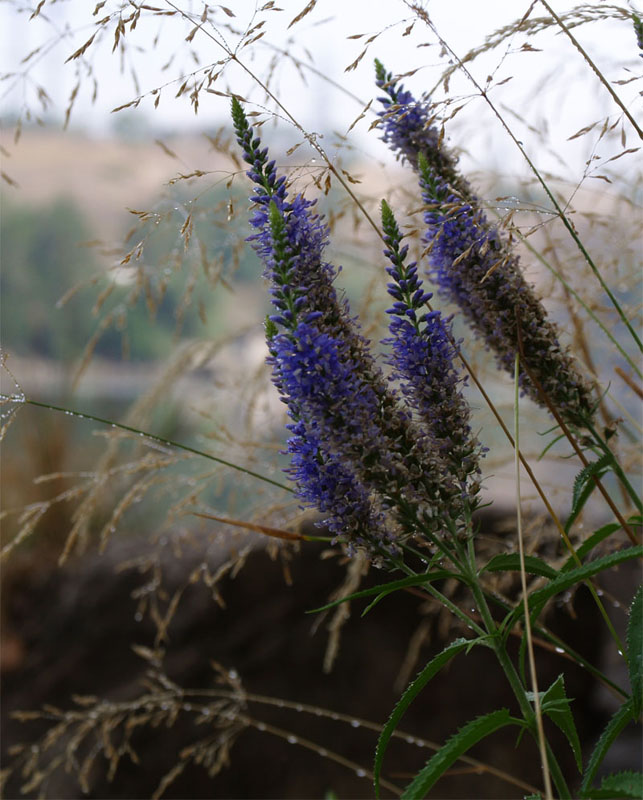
x,y
557,774
510,671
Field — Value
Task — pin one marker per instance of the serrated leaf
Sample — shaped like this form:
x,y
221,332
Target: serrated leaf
x,y
590,543
611,731
457,745
411,692
620,784
567,579
506,562
555,704
584,485
635,651
386,588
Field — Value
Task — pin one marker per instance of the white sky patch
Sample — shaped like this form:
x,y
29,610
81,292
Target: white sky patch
x,y
548,94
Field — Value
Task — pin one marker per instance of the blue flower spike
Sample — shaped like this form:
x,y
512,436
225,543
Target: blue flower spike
x,y
475,268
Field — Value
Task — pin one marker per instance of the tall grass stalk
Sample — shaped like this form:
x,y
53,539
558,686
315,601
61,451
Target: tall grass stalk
x,y
362,416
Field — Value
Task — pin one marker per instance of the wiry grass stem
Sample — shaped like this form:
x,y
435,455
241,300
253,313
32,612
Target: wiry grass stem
x,y
152,437
594,68
423,15
542,744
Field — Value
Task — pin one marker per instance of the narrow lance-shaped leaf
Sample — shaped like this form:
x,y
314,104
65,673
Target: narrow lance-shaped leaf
x,y
590,543
567,579
555,703
386,588
459,743
612,730
622,784
505,562
411,692
584,485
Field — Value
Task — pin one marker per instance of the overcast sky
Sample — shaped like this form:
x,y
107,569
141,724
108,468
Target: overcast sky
x,y
575,100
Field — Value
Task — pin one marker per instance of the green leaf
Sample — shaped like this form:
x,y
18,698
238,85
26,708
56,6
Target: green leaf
x,y
386,588
590,543
410,693
621,784
550,445
506,562
555,703
457,745
565,580
434,576
635,651
584,485
612,730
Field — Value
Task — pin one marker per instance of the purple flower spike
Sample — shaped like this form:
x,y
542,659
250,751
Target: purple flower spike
x,y
355,453
473,266
423,362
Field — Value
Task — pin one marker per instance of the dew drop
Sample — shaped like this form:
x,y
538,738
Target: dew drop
x,y
322,752
410,740
299,707
292,739
355,723
187,707
138,616
360,773
334,716
233,674
559,649
261,726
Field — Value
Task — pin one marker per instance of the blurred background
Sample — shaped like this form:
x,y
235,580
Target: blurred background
x,y
128,291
